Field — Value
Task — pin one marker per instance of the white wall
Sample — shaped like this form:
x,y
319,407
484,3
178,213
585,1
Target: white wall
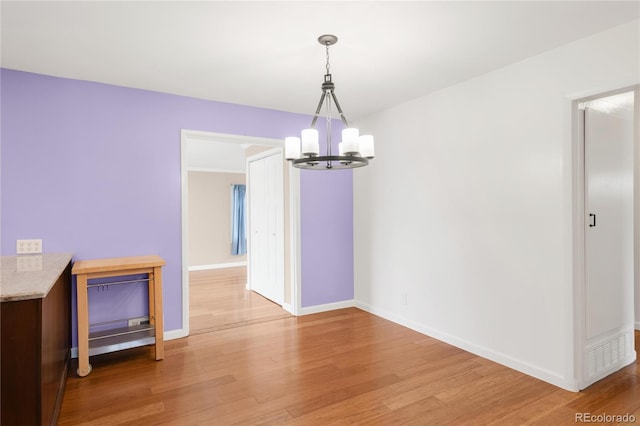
x,y
466,211
212,155
210,218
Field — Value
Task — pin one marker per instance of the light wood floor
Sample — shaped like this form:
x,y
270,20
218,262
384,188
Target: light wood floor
x,y
340,367
218,299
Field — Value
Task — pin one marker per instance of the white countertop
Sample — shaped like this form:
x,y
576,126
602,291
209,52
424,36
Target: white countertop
x,y
30,276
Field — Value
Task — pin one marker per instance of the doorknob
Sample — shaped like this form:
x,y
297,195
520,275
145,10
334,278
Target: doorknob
x,y
592,218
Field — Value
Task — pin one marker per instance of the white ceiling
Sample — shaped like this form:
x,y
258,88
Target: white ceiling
x,y
265,53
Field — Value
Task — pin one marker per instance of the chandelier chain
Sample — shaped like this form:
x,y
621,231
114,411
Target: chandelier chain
x,y
327,48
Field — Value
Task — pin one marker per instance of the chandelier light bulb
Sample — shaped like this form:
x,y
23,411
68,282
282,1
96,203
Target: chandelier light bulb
x,y
310,144
344,160
366,146
291,148
350,141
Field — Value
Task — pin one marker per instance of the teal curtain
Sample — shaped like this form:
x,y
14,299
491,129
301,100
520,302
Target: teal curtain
x,y
238,237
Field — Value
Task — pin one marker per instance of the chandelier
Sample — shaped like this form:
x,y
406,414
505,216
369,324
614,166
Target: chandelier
x,y
355,150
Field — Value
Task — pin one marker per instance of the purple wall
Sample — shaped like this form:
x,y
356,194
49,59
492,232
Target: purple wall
x,y
94,170
327,236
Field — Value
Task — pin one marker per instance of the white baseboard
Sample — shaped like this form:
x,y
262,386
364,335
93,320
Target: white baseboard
x,y
637,325
217,266
327,307
175,334
522,366
288,307
168,335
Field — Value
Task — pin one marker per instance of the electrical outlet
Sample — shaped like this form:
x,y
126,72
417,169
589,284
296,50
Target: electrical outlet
x,y
404,298
28,246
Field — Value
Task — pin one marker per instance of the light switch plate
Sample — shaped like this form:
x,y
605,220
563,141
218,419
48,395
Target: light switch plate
x,y
29,246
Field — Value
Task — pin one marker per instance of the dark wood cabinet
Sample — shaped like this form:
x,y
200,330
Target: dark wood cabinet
x,y
35,355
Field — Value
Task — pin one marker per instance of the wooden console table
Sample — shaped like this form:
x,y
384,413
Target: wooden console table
x,y
120,338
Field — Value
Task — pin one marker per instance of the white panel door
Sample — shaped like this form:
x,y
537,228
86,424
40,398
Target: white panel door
x,y
609,291
266,225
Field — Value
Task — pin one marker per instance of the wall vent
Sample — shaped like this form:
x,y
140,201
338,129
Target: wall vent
x,y
606,356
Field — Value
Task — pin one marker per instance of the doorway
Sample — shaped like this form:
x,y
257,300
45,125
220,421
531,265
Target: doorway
x,y
188,139
606,233
219,300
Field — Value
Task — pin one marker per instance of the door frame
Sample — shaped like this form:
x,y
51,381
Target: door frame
x,y
293,192
578,240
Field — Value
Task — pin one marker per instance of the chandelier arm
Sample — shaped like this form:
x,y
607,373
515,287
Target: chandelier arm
x,y
328,148
335,100
315,117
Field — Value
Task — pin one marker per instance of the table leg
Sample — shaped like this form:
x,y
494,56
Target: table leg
x,y
158,315
84,367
